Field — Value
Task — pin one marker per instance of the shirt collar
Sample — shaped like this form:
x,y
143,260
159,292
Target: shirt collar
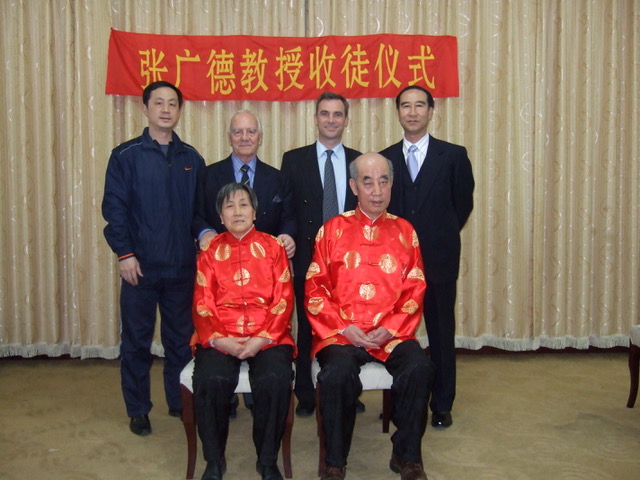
x,y
237,163
337,150
422,144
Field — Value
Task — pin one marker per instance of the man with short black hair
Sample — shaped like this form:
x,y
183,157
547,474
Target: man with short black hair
x,y
148,205
434,191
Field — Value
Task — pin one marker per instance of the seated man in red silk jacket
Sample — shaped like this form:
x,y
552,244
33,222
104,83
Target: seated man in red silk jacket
x,y
242,307
363,295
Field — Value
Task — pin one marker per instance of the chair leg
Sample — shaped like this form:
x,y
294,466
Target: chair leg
x,y
189,423
386,409
634,368
286,440
322,465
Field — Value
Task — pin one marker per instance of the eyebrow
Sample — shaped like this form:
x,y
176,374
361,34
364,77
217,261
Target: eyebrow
x,y
369,177
407,102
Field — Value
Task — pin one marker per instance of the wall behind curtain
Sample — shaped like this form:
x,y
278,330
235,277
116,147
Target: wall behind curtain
x,y
548,109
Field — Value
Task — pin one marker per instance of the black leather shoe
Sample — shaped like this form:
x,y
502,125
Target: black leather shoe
x,y
214,470
268,472
140,425
441,419
175,412
304,410
233,413
360,408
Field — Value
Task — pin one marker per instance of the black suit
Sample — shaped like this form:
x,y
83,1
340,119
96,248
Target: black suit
x,y
438,205
275,204
300,168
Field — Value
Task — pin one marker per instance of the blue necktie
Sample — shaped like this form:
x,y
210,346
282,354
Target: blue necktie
x,y
245,174
412,162
330,195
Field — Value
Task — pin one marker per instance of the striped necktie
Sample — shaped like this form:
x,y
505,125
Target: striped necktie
x,y
245,174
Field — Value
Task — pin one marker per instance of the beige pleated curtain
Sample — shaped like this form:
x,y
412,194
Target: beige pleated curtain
x,y
548,109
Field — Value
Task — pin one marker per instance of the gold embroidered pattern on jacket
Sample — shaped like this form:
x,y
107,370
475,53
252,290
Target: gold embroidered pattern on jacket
x,y
201,279
223,252
367,291
257,250
388,264
241,277
351,259
315,305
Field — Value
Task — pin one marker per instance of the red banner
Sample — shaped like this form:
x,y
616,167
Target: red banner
x,y
241,67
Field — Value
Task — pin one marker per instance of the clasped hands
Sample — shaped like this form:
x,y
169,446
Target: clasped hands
x,y
374,339
241,347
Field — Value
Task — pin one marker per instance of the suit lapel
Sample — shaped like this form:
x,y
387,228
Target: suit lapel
x,y
430,168
260,182
312,175
227,172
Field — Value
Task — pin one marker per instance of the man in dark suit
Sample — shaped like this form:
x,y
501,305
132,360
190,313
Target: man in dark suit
x,y
275,205
274,214
304,167
434,191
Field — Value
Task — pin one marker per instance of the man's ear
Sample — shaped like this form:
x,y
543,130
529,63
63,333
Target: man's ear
x,y
352,184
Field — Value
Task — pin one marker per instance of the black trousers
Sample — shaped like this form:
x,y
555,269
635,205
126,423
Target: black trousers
x,y
215,377
439,314
304,389
412,373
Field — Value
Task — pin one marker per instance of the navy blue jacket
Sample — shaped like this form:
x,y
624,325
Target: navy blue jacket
x,y
149,204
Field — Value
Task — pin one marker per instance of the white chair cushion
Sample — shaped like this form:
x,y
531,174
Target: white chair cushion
x,y
186,377
635,335
373,375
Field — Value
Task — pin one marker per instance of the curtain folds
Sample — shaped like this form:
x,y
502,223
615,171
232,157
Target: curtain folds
x,y
548,110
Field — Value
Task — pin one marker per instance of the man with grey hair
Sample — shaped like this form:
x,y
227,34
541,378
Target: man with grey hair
x,y
363,297
275,210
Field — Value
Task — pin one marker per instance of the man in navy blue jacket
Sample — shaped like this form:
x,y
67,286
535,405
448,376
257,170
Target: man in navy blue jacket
x,y
148,204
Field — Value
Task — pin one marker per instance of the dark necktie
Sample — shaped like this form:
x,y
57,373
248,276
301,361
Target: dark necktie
x,y
330,195
245,174
412,162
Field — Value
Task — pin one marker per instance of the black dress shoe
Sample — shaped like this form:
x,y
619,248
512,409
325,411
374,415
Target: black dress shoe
x,y
175,412
304,410
441,419
140,425
214,470
268,472
360,408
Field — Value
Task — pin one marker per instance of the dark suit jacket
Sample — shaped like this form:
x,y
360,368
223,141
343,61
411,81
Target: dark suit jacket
x,y
438,204
300,167
275,202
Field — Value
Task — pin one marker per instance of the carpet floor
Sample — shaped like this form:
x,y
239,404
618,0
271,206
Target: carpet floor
x,y
516,417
